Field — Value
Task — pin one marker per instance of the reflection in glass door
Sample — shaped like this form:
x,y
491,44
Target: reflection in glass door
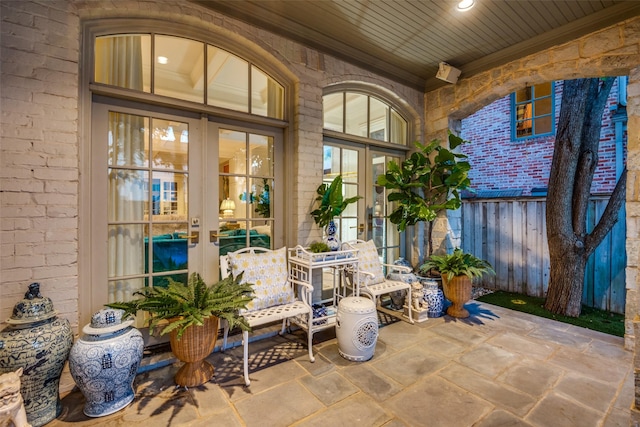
x,y
368,219
147,202
340,160
383,232
246,190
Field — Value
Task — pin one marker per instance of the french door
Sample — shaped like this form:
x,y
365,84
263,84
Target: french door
x,y
171,192
360,166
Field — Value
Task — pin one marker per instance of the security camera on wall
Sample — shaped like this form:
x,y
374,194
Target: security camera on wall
x,y
448,73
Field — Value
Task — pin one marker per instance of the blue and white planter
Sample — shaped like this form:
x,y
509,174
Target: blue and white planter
x,y
104,362
434,296
37,341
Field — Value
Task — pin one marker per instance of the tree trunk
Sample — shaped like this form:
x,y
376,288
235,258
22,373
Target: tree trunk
x,y
575,158
565,296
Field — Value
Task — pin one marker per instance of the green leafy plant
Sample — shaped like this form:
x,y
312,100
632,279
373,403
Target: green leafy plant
x,y
318,247
186,305
458,263
426,183
263,206
331,202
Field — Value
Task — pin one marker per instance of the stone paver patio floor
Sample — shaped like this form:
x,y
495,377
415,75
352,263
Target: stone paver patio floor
x,y
496,368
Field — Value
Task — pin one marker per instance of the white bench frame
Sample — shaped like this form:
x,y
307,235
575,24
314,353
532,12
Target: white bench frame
x,y
375,291
296,311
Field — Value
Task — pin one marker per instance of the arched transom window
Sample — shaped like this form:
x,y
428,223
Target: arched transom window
x,y
364,115
186,69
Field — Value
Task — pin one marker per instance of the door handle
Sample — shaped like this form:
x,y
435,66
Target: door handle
x,y
194,237
213,236
359,227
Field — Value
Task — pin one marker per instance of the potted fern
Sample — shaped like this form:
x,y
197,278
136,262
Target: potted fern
x,y
457,270
331,203
190,315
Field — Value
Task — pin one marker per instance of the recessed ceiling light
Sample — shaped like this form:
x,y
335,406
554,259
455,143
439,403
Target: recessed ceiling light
x,y
465,5
163,60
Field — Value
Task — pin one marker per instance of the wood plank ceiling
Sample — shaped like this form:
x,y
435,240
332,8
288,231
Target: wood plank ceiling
x,y
405,40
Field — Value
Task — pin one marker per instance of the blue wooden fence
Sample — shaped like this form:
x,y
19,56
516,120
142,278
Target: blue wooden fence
x,y
511,235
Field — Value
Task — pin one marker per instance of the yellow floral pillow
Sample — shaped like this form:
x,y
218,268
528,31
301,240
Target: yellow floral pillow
x,y
369,261
268,272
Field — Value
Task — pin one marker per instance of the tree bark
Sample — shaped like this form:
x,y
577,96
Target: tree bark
x,y
574,162
565,296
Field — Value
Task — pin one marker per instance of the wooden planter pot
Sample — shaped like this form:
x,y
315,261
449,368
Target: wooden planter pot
x,y
196,343
458,291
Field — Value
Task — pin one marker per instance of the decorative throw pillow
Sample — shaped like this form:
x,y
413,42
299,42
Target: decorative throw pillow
x,y
269,274
369,261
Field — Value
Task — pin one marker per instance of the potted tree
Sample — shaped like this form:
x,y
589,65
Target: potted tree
x,y
190,315
425,184
457,270
331,203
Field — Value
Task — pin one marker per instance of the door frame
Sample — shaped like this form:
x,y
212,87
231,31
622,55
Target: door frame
x,y
202,192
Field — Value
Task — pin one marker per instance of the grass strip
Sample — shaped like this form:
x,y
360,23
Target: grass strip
x,y
591,318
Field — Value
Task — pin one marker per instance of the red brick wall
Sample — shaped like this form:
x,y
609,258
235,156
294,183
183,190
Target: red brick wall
x,y
499,163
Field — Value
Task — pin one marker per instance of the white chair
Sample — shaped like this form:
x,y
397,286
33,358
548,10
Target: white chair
x,y
275,295
371,281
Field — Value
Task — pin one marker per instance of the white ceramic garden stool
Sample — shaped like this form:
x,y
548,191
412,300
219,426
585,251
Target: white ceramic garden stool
x,y
104,362
357,328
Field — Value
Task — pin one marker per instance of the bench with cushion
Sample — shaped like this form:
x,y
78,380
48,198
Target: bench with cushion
x,y
276,296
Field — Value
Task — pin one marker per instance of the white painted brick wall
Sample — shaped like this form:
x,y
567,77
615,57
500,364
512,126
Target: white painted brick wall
x,y
39,153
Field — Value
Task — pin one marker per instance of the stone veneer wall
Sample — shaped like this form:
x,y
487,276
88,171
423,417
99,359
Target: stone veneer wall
x,y
609,52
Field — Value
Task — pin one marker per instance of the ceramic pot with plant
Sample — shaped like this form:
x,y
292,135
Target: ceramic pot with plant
x,y
331,203
457,270
190,314
425,184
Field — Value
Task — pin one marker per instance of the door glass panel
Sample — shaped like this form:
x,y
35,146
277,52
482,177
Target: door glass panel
x,y
128,195
241,196
122,245
179,68
246,188
384,233
349,166
261,152
170,143
169,247
260,234
128,140
123,60
262,192
331,163
147,202
228,80
344,161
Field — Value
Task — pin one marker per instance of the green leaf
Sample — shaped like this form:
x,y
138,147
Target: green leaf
x,y
186,305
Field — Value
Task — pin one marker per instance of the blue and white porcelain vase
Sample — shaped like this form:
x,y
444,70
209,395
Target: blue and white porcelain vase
x,y
434,296
37,341
331,236
398,297
104,362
